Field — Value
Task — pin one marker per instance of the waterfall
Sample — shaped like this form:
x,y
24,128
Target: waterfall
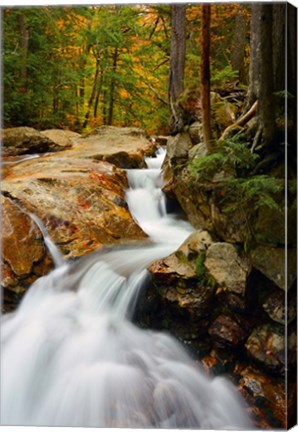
x,y
71,356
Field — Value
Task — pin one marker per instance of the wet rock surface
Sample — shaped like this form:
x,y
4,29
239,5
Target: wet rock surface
x,y
24,256
267,345
268,397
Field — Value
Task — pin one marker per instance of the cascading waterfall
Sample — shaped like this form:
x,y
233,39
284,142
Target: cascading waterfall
x,y
71,357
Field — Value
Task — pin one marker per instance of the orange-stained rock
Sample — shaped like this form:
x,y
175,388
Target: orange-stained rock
x,y
80,201
266,345
24,255
267,398
22,242
79,198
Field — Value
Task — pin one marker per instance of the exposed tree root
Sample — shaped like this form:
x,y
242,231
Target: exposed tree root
x,y
257,139
240,122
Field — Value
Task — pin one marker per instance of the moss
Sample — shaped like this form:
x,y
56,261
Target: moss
x,y
200,265
181,257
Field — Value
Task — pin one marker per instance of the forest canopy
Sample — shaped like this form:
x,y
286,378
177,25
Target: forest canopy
x,y
81,67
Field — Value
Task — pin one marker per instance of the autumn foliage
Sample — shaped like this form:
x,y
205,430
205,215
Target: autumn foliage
x,y
80,67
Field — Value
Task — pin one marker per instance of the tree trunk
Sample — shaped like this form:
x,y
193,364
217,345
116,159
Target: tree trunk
x,y
278,38
266,98
99,88
92,96
205,76
254,67
112,92
177,64
24,43
262,73
238,52
104,107
291,61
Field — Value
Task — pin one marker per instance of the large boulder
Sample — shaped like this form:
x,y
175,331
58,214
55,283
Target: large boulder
x,y
63,138
24,256
271,262
177,153
228,267
123,147
26,140
209,204
80,201
180,298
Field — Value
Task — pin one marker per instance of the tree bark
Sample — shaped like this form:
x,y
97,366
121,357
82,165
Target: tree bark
x,y
291,61
24,44
177,64
99,89
254,67
263,72
92,96
238,52
112,92
266,98
278,38
205,76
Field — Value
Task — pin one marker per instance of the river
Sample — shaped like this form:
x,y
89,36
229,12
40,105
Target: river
x,y
72,357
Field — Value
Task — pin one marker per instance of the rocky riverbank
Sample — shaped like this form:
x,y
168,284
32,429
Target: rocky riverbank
x,y
78,195
226,294
227,298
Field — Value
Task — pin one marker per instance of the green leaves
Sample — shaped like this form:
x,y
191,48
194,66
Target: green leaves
x,y
236,186
231,156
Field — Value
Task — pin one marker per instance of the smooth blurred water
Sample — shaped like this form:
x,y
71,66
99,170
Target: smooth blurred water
x,y
71,356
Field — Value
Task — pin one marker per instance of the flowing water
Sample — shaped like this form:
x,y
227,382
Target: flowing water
x,y
71,356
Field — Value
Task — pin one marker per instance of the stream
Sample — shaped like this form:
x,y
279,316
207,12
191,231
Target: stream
x,y
72,357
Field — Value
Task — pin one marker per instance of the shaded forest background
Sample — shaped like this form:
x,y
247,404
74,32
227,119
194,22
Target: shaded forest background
x,y
80,67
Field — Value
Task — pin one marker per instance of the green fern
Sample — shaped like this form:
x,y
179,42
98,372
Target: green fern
x,y
231,156
237,188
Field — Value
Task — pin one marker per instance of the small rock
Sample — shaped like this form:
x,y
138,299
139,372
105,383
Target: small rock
x,y
197,242
227,267
267,399
196,132
266,345
275,306
226,331
197,151
178,147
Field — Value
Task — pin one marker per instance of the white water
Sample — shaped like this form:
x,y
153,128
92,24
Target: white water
x,y
71,357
